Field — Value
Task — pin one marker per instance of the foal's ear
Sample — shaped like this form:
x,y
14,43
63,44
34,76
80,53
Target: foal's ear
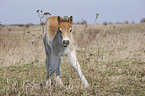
x,y
59,19
70,19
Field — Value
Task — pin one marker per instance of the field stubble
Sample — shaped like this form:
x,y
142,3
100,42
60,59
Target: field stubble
x,y
112,58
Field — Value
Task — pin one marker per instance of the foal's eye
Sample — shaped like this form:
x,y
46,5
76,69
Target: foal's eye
x,y
60,30
70,30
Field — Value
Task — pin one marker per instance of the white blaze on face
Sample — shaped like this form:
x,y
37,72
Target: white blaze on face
x,y
66,39
66,36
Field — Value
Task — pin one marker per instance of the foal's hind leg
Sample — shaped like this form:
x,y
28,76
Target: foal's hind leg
x,y
47,70
48,59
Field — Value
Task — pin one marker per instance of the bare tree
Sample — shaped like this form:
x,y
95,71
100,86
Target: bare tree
x,y
41,15
96,18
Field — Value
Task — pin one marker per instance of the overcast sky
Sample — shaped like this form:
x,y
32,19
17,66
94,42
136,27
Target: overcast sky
x,y
24,11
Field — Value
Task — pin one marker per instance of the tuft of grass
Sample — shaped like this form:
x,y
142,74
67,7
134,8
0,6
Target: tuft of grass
x,y
111,58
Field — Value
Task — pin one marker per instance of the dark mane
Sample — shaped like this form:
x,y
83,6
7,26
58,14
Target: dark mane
x,y
65,19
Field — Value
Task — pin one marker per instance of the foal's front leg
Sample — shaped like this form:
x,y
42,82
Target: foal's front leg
x,y
75,64
58,76
55,66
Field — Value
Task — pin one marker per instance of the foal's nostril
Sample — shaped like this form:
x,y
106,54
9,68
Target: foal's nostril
x,y
65,43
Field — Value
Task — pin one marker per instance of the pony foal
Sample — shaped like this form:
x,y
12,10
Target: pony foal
x,y
58,41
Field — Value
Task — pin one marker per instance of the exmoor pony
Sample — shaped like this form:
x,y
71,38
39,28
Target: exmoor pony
x,y
58,41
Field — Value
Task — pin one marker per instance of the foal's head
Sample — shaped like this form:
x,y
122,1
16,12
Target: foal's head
x,y
65,29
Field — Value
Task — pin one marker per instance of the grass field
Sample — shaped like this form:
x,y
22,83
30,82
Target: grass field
x,y
111,57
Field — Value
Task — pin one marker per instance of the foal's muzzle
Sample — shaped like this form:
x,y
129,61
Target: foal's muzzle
x,y
65,43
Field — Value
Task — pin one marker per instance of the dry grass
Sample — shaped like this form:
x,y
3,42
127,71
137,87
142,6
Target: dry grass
x,y
112,58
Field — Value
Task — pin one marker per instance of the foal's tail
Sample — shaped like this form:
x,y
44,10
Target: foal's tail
x,y
45,39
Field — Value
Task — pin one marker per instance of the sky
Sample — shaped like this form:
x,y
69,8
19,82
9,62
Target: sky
x,y
24,11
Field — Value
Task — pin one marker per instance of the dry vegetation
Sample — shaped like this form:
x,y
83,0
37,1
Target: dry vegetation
x,y
112,58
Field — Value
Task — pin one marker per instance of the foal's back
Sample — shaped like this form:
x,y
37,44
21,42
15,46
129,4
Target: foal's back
x,y
52,25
